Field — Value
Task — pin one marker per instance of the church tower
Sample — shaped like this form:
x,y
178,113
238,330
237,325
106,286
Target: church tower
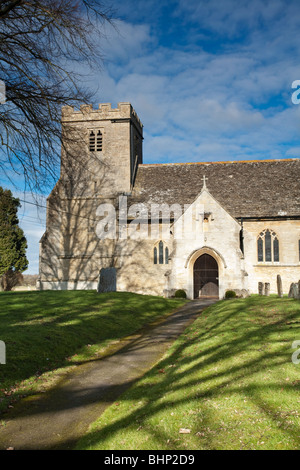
x,y
102,149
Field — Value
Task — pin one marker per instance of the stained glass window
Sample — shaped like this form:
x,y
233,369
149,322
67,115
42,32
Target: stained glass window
x,y
155,255
276,249
260,249
268,239
161,254
267,246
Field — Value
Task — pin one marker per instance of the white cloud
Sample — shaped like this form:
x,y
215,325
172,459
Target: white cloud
x,y
123,42
190,99
232,18
293,152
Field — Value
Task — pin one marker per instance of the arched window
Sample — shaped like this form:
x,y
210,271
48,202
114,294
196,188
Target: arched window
x,y
95,141
155,255
99,141
92,142
161,254
267,246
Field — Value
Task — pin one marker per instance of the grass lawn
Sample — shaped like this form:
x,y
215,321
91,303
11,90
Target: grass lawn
x,y
227,383
48,332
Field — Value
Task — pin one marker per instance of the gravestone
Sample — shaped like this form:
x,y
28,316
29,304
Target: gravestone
x,y
260,288
267,289
107,280
2,353
241,293
279,286
294,292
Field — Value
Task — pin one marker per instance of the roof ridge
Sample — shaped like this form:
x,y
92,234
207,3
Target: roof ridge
x,y
220,162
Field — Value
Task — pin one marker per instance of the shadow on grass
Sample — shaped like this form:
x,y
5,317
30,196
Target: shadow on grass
x,y
235,349
42,330
223,355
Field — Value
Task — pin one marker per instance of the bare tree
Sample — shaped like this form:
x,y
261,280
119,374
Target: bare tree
x,y
42,43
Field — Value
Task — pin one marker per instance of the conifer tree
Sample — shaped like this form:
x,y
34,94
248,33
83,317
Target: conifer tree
x,y
13,243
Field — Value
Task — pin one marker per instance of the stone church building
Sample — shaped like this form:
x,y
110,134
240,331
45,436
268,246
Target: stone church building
x,y
156,228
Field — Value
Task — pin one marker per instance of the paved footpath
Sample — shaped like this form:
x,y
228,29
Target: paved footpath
x,y
58,418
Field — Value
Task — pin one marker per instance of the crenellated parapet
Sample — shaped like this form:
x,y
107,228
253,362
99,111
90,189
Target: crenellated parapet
x,y
105,112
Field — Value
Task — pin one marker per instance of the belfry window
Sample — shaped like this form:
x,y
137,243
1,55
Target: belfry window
x,y
99,141
95,141
92,142
267,246
161,254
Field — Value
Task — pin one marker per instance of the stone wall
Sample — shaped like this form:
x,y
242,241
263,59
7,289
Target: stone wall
x,y
288,267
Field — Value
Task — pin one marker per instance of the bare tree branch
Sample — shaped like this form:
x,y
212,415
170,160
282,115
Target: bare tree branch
x,y
42,43
7,6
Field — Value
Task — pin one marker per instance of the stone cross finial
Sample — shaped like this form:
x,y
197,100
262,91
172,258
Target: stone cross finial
x,y
204,179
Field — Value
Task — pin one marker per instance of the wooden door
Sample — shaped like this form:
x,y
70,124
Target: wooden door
x,y
206,277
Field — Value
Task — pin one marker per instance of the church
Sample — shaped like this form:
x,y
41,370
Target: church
x,y
115,223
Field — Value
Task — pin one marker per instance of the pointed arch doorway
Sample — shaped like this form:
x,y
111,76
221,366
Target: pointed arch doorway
x,y
206,277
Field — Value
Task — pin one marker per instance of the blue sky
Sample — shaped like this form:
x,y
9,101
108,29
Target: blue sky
x,y
210,80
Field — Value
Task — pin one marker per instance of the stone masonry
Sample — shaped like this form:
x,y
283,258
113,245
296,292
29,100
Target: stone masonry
x,y
241,219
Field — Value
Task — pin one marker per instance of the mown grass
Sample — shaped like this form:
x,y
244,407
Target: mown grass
x,y
229,381
47,332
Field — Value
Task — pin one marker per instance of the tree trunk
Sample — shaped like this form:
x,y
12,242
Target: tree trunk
x,y
11,279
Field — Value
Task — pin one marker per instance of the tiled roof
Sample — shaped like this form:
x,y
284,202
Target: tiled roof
x,y
260,188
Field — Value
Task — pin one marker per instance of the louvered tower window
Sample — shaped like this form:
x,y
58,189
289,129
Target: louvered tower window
x,y
99,141
95,141
92,142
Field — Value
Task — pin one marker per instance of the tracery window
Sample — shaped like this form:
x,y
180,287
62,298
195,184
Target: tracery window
x,y
161,254
267,246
